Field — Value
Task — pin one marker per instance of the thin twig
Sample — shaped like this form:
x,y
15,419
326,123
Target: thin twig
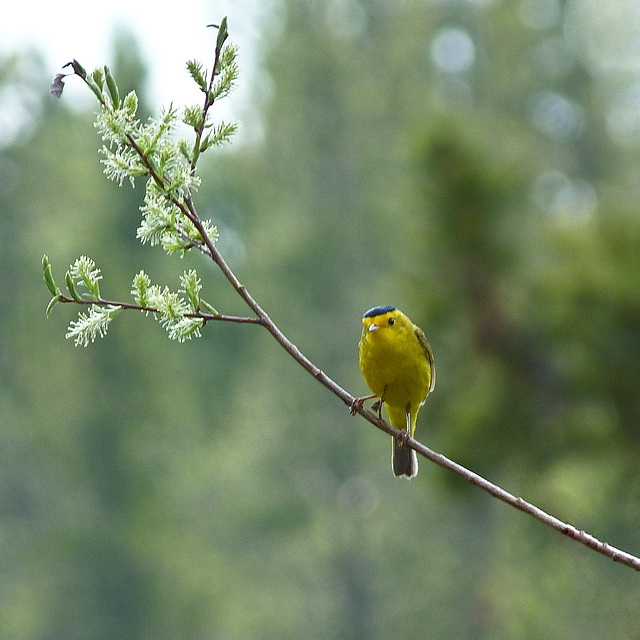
x,y
566,529
128,305
208,103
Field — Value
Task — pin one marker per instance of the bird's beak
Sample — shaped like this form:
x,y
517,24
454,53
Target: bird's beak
x,y
373,327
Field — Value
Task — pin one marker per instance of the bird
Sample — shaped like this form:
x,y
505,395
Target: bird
x,y
398,366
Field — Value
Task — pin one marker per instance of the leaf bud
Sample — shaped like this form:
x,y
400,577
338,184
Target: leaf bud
x,y
113,88
223,34
51,304
48,276
71,286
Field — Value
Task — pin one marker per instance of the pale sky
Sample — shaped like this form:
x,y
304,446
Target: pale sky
x,y
168,33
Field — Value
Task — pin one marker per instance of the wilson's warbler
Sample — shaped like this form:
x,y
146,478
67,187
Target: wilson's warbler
x,y
397,365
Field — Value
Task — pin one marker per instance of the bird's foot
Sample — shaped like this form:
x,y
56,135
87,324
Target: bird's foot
x,y
357,403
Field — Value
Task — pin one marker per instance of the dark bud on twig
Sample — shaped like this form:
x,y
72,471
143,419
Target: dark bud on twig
x,y
78,69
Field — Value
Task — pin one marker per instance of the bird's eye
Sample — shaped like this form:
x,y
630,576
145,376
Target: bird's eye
x,y
392,321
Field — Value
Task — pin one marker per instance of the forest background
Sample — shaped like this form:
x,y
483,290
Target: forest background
x,y
473,163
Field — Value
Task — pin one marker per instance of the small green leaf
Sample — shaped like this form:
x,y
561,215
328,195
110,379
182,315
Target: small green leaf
x,y
223,34
98,77
94,288
51,304
210,308
48,276
71,286
94,87
112,87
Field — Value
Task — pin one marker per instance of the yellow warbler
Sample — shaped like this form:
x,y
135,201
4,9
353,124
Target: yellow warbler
x,y
397,365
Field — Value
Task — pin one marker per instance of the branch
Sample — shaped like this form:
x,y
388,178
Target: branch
x,y
566,529
128,305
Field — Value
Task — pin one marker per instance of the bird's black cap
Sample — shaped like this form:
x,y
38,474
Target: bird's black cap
x,y
378,311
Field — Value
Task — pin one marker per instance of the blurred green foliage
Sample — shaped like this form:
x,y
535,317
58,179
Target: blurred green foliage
x,y
474,164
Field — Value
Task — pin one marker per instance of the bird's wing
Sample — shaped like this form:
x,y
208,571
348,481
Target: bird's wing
x,y
422,339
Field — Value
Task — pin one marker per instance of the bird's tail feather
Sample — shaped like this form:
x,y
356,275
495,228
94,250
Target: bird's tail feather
x,y
404,461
